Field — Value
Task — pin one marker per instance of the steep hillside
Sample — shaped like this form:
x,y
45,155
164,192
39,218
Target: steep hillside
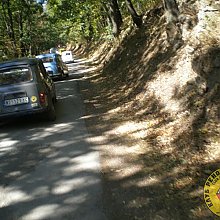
x,y
155,108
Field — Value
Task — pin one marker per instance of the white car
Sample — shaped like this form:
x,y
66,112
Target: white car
x,y
67,56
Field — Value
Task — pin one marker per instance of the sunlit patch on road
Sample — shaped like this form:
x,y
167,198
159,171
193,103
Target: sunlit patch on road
x,y
50,170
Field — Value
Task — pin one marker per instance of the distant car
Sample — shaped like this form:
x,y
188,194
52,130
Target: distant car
x,y
26,89
54,65
67,56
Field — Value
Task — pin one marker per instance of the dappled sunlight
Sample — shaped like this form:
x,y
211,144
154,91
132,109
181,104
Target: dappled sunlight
x,y
156,142
42,212
80,67
77,200
99,139
89,162
66,186
55,129
150,181
89,116
60,160
96,56
141,131
134,129
213,151
51,171
7,145
196,192
57,179
6,142
82,60
162,86
86,70
13,195
125,173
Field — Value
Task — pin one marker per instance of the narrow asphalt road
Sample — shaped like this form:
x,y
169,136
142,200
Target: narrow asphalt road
x,y
51,170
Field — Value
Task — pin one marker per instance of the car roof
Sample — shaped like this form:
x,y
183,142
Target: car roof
x,y
17,62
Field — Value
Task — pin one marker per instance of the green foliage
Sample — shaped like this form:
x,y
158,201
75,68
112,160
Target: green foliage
x,y
79,20
26,30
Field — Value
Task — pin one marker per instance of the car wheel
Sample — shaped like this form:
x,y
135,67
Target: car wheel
x,y
55,99
51,113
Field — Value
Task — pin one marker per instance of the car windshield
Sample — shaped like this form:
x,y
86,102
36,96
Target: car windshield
x,y
15,75
47,59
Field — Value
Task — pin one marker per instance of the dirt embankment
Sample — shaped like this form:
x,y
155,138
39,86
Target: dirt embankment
x,y
154,112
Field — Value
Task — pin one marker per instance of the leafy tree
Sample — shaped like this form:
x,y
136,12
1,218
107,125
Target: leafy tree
x,y
135,17
27,29
8,22
115,16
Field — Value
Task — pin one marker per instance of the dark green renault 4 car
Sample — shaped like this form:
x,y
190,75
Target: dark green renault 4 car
x,y
26,89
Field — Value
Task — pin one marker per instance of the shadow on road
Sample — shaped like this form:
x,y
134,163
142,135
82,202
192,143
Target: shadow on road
x,y
50,170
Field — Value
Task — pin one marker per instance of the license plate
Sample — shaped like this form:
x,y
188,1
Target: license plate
x,y
18,101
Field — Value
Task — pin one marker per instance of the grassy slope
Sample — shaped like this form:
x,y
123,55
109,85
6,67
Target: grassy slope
x,y
154,113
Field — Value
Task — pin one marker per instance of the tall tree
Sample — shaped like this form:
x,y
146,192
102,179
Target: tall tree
x,y
137,19
9,24
115,16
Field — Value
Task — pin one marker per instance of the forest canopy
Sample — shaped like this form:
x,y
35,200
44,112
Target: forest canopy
x,y
29,27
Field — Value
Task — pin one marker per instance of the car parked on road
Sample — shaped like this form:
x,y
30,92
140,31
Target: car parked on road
x,y
26,88
54,65
67,56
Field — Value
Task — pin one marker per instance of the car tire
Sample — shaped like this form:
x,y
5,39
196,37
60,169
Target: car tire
x,y
55,99
51,113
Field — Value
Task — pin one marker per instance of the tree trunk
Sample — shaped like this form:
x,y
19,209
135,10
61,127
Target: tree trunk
x,y
115,17
173,27
135,17
21,33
